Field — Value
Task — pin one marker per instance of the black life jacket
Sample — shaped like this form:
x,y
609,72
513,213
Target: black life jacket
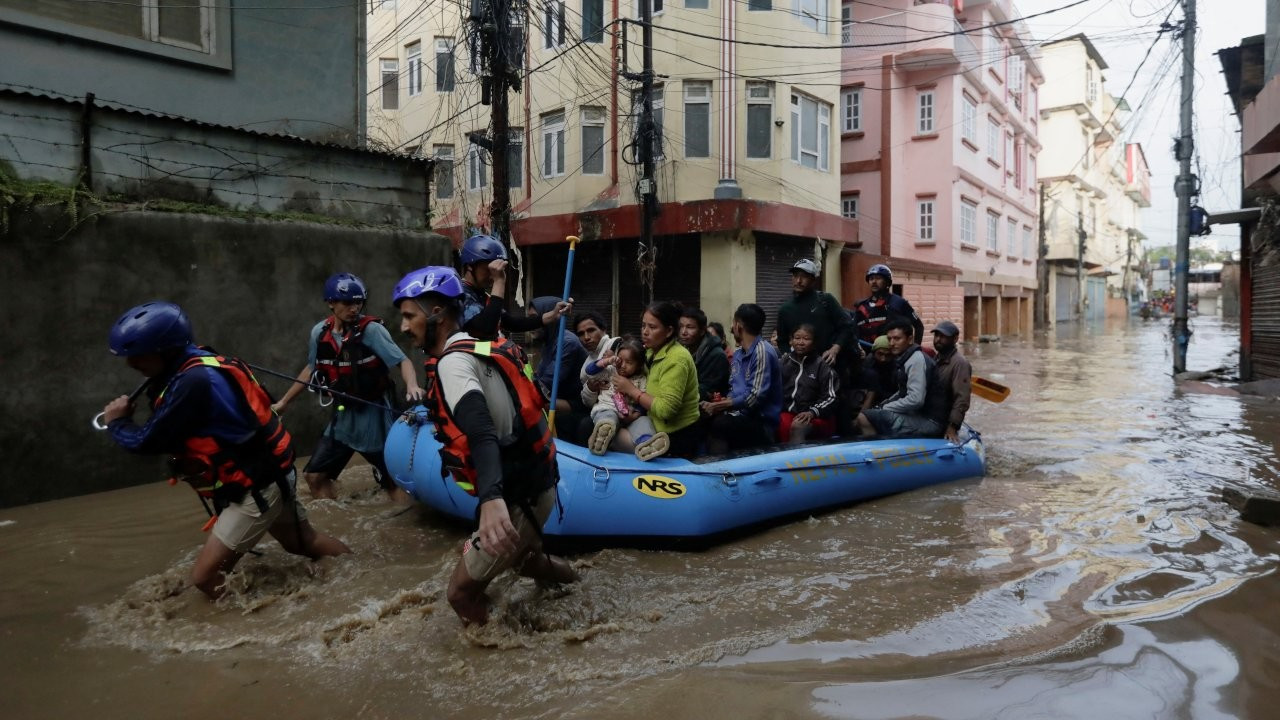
x,y
352,368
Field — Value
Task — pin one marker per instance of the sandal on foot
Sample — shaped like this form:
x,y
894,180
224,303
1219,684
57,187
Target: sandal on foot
x,y
654,446
602,437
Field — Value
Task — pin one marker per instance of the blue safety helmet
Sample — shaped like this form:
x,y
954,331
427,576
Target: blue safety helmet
x,y
150,327
344,286
882,270
482,248
433,279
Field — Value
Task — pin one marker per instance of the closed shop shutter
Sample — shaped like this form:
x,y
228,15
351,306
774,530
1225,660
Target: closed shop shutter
x,y
774,257
678,278
1265,316
1097,298
592,274
1067,291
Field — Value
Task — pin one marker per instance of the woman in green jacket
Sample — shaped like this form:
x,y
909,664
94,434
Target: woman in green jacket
x,y
671,398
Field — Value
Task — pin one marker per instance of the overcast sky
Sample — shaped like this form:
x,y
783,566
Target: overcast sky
x,y
1123,30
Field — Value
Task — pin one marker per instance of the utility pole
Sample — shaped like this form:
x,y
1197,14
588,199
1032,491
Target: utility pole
x,y
1185,187
648,133
1128,263
493,30
1080,243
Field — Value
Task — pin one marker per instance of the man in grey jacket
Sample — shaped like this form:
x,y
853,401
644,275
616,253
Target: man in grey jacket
x,y
918,407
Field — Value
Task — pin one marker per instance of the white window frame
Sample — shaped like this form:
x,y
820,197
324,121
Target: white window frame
x,y
821,152
993,232
658,7
849,205
968,224
390,77
446,46
413,57
1026,242
1012,241
515,157
697,92
151,26
810,13
477,169
926,219
846,24
553,21
995,131
443,155
593,117
969,118
760,93
851,110
553,150
926,107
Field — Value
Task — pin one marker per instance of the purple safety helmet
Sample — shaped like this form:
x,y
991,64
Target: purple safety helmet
x,y
482,248
344,286
433,279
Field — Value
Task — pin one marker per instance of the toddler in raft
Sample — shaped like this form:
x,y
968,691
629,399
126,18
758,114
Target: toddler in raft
x,y
620,424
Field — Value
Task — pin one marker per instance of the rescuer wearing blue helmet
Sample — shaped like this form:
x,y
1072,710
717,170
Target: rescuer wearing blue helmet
x,y
872,315
214,420
484,280
480,391
352,353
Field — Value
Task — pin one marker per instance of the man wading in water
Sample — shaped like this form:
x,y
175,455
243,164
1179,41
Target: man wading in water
x,y
215,420
489,416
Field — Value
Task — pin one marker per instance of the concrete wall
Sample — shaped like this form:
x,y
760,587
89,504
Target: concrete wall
x,y
297,69
143,157
252,288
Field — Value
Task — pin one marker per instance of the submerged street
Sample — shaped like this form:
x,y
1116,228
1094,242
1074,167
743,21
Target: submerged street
x,y
1092,573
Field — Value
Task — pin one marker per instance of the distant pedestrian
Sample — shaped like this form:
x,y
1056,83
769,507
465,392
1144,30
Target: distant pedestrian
x,y
210,415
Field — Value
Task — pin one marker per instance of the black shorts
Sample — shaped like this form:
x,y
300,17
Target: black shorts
x,y
331,456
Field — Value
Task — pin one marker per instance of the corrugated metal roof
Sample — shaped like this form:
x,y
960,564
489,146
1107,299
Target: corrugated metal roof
x,y
50,95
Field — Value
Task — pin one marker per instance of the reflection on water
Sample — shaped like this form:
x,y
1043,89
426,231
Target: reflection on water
x,y
1017,595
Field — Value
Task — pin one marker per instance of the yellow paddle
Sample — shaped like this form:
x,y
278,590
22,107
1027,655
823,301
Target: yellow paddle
x,y
989,389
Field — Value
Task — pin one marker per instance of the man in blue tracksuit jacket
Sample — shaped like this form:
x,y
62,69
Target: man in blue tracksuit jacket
x,y
749,416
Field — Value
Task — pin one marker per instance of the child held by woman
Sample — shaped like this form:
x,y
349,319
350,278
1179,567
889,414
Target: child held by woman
x,y
619,424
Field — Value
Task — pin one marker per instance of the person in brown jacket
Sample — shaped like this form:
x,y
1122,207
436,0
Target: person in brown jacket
x,y
954,373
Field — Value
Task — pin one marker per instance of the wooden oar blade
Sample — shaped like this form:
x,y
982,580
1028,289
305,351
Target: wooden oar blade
x,y
989,389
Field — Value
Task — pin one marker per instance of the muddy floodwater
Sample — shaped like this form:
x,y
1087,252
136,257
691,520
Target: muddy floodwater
x,y
1091,574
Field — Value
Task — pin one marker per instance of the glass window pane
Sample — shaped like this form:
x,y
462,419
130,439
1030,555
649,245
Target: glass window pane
x,y
759,134
593,150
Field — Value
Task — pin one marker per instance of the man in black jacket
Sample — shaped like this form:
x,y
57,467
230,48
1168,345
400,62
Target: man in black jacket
x,y
708,354
811,306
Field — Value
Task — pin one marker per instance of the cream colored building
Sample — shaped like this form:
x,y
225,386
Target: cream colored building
x,y
750,170
1095,185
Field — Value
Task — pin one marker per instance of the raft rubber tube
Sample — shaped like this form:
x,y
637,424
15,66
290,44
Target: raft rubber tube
x,y
619,497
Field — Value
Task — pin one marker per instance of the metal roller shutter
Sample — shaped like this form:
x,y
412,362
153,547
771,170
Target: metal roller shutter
x,y
592,287
1265,316
678,278
774,257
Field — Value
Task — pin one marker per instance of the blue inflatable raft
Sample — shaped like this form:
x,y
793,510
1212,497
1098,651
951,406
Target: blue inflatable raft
x,y
617,499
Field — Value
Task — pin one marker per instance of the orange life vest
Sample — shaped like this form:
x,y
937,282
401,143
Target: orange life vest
x,y
352,367
225,472
530,444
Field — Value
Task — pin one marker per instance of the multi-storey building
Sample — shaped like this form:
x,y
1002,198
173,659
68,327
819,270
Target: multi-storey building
x,y
747,178
1094,183
938,128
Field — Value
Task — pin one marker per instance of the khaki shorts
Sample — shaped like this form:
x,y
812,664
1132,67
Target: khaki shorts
x,y
483,567
241,525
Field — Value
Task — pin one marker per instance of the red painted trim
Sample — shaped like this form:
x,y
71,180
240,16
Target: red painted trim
x,y
701,216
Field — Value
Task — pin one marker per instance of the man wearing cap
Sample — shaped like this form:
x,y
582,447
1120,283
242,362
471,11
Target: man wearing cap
x,y
811,306
954,373
871,317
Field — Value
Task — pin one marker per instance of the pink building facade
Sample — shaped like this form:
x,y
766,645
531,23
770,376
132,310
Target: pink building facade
x,y
937,120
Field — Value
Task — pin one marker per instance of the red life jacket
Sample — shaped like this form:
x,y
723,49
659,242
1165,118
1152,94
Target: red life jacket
x,y
530,444
351,368
225,472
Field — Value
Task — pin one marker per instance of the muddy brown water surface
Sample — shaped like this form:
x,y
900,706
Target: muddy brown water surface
x,y
1092,573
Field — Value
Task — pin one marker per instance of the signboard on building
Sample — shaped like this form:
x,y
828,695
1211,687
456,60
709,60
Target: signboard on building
x,y
1161,281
